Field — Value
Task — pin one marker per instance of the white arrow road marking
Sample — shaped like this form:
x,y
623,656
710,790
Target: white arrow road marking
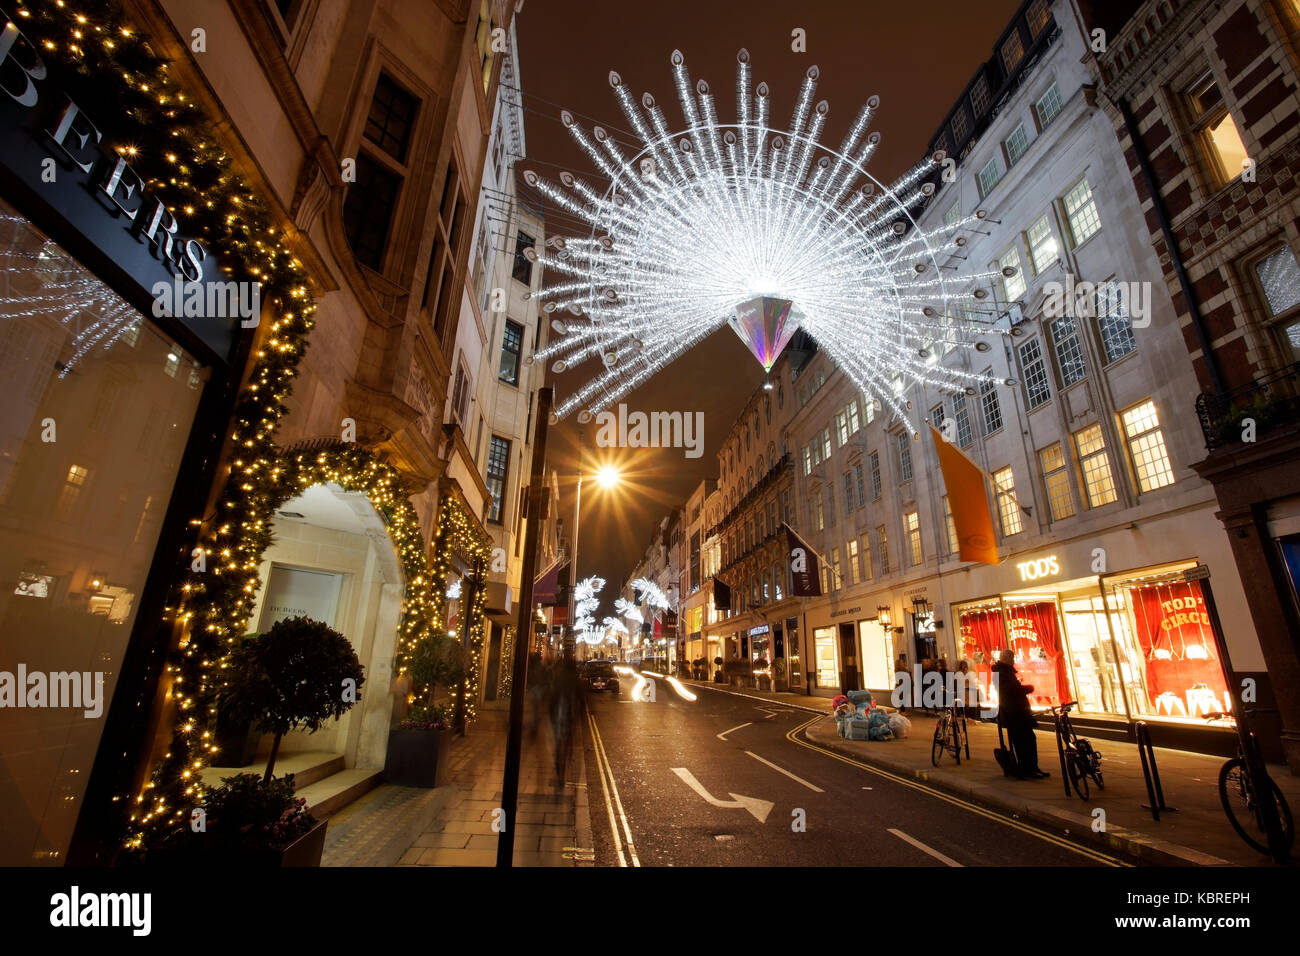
x,y
772,713
923,848
723,735
759,808
786,772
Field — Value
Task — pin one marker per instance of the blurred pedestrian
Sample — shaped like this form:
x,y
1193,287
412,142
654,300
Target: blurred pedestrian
x,y
1017,716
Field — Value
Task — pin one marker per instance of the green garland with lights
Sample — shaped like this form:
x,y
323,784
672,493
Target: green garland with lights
x,y
108,68
458,534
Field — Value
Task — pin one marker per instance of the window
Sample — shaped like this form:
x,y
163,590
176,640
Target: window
x,y
368,211
1013,285
1016,144
1048,106
1013,51
73,483
875,476
991,406
988,177
1038,16
807,460
1095,465
497,470
960,126
912,526
830,505
862,487
1034,367
866,556
852,411
522,271
953,215
818,514
512,344
1043,251
842,427
1117,339
1082,213
1008,508
954,543
904,456
1279,278
868,409
1056,479
938,417
884,548
962,417
1069,351
979,95
1146,447
855,569
391,118
848,492
826,443
1220,138
460,395
837,581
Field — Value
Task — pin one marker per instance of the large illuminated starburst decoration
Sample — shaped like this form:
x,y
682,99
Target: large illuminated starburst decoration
x,y
760,229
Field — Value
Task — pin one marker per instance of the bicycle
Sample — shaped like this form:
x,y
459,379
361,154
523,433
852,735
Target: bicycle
x,y
950,735
1238,794
1079,759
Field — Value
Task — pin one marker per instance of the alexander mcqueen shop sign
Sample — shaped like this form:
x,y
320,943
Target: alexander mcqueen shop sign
x,y
53,157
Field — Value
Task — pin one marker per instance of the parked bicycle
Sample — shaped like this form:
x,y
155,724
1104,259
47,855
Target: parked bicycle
x,y
1079,759
950,735
1239,794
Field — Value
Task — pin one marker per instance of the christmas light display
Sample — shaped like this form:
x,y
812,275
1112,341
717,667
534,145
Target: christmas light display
x,y
651,594
698,224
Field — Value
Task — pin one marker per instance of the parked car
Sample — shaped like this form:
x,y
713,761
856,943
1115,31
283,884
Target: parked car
x,y
599,675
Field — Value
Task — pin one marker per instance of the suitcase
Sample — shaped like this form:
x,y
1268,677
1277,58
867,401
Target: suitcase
x,y
1004,756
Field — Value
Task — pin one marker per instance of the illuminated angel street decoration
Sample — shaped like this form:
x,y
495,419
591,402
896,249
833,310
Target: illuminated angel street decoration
x,y
628,610
650,593
614,626
585,603
763,230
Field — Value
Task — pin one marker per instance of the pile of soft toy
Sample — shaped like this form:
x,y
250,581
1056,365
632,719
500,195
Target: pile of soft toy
x,y
858,718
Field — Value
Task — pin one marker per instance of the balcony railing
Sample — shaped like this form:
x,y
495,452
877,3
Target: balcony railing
x,y
1270,401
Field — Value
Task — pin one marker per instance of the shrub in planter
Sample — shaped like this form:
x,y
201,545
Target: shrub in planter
x,y
417,747
300,673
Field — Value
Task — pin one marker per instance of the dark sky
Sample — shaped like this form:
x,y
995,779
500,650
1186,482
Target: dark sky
x,y
917,56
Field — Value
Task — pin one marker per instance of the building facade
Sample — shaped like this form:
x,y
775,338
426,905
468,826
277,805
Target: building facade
x,y
1203,100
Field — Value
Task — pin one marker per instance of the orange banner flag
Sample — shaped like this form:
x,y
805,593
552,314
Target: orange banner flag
x,y
968,500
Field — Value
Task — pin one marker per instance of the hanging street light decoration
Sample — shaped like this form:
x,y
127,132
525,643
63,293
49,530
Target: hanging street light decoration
x,y
765,230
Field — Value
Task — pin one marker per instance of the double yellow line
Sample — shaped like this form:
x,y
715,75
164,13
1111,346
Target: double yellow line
x,y
1091,854
613,804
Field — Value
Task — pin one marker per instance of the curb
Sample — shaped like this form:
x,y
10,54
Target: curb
x,y
824,712
1077,827
582,836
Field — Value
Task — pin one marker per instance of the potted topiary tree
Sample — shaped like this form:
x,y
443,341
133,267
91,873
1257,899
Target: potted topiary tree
x,y
719,675
418,744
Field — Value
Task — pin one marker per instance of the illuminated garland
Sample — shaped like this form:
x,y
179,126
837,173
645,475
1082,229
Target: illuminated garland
x,y
167,138
457,532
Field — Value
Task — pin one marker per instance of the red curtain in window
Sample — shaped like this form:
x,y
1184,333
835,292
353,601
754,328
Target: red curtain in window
x,y
1036,640
1184,675
982,634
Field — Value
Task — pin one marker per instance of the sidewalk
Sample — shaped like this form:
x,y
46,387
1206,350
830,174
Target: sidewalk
x,y
1198,834
452,825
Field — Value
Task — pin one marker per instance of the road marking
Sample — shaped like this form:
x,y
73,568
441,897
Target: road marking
x,y
923,848
796,779
955,801
606,771
723,735
759,808
866,788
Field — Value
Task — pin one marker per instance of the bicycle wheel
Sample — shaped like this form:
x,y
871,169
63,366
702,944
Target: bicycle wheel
x,y
1237,794
1077,772
940,743
1092,760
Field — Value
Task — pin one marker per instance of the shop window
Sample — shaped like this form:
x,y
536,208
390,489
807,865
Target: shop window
x,y
1013,286
1117,338
1048,106
883,540
954,543
522,270
1081,212
1034,637
912,527
1146,447
497,472
512,343
392,118
368,210
1033,365
1217,131
1069,350
1008,507
1016,144
990,405
962,416
1056,479
904,441
1094,463
1043,251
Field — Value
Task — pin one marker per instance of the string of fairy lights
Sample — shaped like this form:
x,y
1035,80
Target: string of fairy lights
x,y
106,63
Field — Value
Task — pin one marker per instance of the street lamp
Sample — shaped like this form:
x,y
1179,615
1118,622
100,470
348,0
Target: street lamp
x,y
607,476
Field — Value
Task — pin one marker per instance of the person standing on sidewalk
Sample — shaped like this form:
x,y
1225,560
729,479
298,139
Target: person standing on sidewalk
x,y
1017,716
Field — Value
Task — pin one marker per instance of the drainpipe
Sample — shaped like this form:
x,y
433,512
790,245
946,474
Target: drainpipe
x,y
1157,200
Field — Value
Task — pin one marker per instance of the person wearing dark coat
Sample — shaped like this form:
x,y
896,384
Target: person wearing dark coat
x,y
1017,716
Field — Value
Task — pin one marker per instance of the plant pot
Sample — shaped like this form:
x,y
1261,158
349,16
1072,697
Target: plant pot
x,y
417,758
304,851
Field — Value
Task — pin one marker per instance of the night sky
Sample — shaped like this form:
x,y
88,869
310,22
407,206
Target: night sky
x,y
917,57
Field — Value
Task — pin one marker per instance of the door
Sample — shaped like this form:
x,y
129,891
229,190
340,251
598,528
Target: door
x,y
849,678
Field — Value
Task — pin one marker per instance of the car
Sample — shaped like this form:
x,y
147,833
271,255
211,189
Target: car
x,y
599,675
